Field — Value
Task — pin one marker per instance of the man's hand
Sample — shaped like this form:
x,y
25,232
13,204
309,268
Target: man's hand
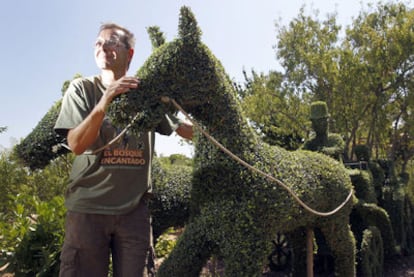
x,y
82,136
120,86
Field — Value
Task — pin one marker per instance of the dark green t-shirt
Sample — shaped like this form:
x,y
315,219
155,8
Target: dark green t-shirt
x,y
111,181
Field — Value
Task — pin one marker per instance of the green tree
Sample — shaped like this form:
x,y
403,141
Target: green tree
x,y
174,160
365,78
380,71
308,52
382,40
274,111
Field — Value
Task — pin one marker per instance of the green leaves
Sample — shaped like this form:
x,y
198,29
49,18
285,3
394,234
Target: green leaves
x,y
32,239
171,203
364,76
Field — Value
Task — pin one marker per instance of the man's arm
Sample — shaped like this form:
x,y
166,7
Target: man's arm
x,y
86,133
185,130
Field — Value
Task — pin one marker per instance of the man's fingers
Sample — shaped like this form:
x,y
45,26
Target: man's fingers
x,y
130,82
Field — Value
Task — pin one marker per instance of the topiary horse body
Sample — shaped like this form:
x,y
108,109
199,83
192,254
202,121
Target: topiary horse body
x,y
235,212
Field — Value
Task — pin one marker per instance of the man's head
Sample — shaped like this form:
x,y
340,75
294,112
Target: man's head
x,y
114,47
126,37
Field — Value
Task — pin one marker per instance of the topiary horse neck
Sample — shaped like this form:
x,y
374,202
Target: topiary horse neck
x,y
236,212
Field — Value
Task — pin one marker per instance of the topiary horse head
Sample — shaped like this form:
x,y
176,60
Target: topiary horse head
x,y
236,211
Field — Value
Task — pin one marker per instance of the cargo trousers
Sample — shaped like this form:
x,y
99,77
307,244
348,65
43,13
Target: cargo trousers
x,y
90,240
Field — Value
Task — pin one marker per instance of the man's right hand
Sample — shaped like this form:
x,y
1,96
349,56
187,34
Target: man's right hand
x,y
120,86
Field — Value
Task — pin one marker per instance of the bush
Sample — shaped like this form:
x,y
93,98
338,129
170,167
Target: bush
x,y
170,205
165,243
32,239
372,253
363,184
362,152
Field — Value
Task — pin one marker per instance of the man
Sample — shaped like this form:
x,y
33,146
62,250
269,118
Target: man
x,y
106,197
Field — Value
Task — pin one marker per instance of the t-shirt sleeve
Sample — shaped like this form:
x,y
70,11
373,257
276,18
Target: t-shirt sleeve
x,y
74,108
168,125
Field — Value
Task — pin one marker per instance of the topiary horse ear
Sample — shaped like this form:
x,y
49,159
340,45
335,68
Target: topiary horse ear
x,y
188,29
157,37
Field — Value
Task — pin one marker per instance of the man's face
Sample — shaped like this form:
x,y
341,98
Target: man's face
x,y
110,52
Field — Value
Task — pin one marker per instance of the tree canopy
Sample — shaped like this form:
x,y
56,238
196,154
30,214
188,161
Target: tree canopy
x,y
364,74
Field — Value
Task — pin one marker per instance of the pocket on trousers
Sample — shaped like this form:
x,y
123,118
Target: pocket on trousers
x,y
68,262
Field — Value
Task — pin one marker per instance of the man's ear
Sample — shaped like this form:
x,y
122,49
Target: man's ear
x,y
130,53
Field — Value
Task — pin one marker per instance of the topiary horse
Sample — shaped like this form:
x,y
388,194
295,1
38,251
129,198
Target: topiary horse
x,y
235,211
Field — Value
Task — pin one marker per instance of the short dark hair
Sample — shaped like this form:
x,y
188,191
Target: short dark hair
x,y
126,36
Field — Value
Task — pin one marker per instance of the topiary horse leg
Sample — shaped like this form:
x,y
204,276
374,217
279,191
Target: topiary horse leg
x,y
244,262
297,239
244,252
189,255
342,243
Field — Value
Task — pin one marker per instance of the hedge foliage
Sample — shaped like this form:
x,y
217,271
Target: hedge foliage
x,y
32,238
363,185
42,144
369,214
371,261
171,202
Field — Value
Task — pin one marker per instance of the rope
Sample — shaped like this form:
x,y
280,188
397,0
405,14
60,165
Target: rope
x,y
112,141
115,139
254,169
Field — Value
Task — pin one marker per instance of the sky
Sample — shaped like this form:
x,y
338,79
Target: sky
x,y
46,42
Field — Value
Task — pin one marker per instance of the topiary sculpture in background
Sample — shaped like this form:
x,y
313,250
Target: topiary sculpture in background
x,y
235,212
370,223
330,144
